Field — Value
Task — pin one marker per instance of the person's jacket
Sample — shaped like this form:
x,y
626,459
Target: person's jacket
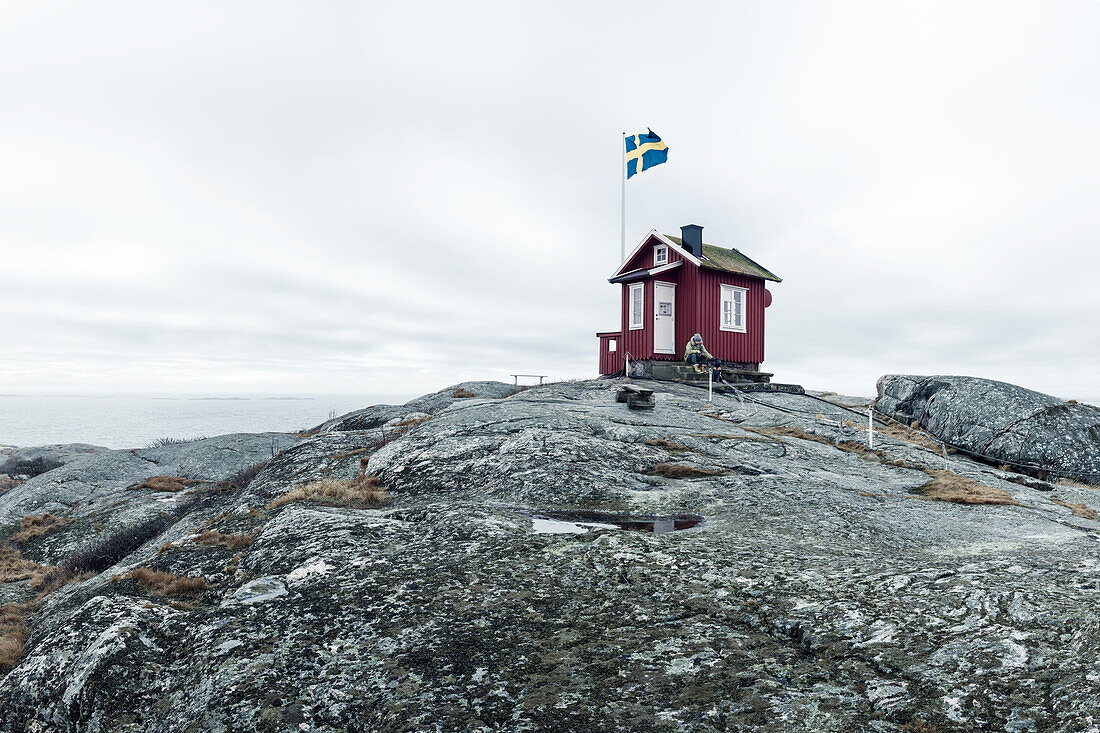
x,y
696,348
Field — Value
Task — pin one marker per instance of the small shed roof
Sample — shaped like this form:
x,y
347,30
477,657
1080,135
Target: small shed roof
x,y
729,260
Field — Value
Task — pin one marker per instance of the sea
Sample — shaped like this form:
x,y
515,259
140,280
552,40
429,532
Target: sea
x,y
116,421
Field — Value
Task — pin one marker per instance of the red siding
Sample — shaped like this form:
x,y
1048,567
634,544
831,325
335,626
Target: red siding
x,y
698,312
698,298
610,361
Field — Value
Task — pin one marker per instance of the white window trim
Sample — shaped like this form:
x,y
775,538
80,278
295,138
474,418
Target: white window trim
x,y
630,304
744,308
660,249
612,345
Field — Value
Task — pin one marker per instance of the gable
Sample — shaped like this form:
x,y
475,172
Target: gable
x,y
639,263
640,260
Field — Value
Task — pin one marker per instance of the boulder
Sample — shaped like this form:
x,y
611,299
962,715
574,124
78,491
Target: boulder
x,y
999,421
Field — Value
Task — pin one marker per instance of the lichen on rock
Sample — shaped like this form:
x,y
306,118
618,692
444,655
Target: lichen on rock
x,y
817,592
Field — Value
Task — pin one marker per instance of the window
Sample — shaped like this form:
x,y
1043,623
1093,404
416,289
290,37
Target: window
x,y
637,306
660,255
731,312
612,345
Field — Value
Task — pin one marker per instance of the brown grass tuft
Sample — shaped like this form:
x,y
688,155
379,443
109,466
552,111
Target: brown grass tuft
x,y
897,430
669,445
51,578
950,486
232,541
1079,510
161,583
38,525
682,470
355,452
1075,484
786,431
13,567
411,422
13,634
727,436
165,483
361,492
460,393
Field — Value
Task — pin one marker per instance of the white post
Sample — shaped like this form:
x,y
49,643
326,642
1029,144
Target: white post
x,y
622,180
871,428
626,370
710,386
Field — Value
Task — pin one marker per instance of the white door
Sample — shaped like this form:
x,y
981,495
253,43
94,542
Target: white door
x,y
664,318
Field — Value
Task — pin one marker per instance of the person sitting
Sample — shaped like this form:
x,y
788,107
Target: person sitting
x,y
696,354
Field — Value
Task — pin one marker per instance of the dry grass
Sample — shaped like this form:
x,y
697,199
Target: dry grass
x,y
13,634
1079,510
51,578
727,436
14,568
38,525
682,470
1075,484
460,393
786,431
232,541
234,564
411,422
165,483
361,492
894,429
161,583
950,486
669,445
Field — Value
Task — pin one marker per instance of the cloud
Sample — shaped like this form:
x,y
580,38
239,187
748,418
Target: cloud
x,y
393,197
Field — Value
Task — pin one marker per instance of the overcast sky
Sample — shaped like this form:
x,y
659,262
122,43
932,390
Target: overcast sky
x,y
392,197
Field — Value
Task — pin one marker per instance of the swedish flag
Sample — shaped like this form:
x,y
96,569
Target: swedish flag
x,y
643,152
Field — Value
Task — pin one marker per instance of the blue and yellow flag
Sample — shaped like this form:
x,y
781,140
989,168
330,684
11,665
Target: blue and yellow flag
x,y
643,152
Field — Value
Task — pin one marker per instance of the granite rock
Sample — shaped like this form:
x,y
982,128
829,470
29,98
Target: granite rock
x,y
819,593
1001,421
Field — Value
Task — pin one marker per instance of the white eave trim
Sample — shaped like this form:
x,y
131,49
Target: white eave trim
x,y
643,273
665,268
663,240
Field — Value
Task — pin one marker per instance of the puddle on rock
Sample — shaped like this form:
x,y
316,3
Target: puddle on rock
x,y
579,522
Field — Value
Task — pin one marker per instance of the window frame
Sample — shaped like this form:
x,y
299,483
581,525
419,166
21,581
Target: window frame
x,y
723,298
612,345
640,323
662,248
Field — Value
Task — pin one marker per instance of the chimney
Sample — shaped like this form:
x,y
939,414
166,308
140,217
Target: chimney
x,y
692,234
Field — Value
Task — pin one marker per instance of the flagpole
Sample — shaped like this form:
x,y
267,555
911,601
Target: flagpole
x,y
622,179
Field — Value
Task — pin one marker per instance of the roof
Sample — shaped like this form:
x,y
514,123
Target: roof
x,y
729,260
643,273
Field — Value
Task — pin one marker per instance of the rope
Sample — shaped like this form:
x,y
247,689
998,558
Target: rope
x,y
886,421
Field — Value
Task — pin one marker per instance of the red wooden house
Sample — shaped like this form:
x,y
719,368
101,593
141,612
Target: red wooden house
x,y
674,287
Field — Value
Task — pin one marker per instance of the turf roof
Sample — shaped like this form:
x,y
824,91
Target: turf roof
x,y
730,260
